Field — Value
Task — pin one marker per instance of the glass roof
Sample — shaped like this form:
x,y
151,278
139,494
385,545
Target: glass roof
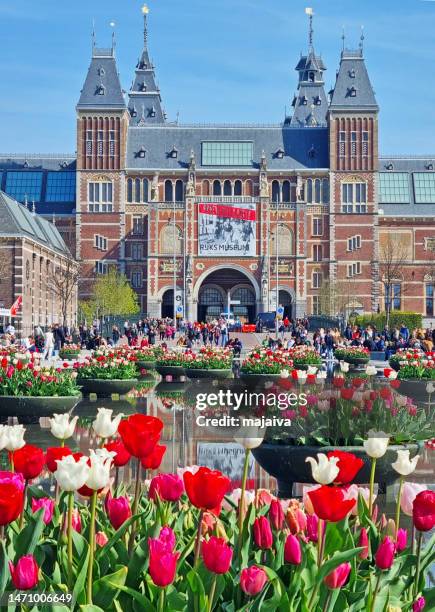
x,y
424,187
394,188
227,153
61,187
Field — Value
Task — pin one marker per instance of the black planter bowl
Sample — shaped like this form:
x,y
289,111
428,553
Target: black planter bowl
x,y
305,366
11,405
167,370
357,361
211,374
258,379
106,388
287,464
416,390
69,356
146,365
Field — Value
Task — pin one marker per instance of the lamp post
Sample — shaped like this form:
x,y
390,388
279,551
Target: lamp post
x,y
175,271
277,271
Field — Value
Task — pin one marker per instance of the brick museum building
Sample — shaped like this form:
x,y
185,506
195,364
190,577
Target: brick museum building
x,y
219,213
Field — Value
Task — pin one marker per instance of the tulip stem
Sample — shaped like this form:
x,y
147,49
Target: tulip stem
x,y
161,607
321,535
115,484
24,503
372,486
69,541
91,547
375,593
398,506
137,492
328,601
211,595
417,568
242,500
198,539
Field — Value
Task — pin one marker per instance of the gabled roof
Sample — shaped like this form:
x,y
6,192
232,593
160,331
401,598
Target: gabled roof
x,y
102,88
353,88
17,220
310,103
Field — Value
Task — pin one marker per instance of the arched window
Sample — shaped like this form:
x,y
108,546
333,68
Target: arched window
x,y
169,191
145,188
309,190
129,190
238,188
205,188
209,296
285,241
179,191
244,295
317,191
286,191
137,190
217,188
249,190
293,197
227,188
275,191
325,191
167,243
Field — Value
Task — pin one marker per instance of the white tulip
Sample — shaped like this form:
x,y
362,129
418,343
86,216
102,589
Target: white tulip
x,y
3,436
430,387
344,366
321,375
103,424
99,473
61,427
376,445
14,437
325,469
371,370
403,465
312,369
253,437
392,375
284,374
71,474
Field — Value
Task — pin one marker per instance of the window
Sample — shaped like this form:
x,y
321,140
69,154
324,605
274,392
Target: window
x,y
286,191
393,188
217,188
309,190
100,197
136,252
136,280
61,187
353,144
325,191
316,305
395,297
354,243
317,252
317,226
88,142
137,226
276,196
227,188
129,190
354,197
342,144
112,143
137,190
100,142
169,191
365,144
145,190
353,269
179,191
20,185
100,242
317,279
227,153
429,299
424,187
101,267
238,188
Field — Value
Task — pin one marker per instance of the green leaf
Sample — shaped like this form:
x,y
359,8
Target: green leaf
x,y
79,586
147,606
28,538
117,535
4,568
337,559
91,608
105,590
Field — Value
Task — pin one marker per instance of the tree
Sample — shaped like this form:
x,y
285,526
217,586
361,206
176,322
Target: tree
x,y
336,296
111,295
63,284
393,258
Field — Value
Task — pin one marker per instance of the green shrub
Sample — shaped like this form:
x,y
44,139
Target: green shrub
x,y
412,320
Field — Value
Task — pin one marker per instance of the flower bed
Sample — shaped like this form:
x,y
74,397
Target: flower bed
x,y
208,358
266,361
404,357
352,354
70,351
108,366
304,356
171,358
31,380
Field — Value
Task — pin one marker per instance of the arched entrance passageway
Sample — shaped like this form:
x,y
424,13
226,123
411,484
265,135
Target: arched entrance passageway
x,y
222,283
285,300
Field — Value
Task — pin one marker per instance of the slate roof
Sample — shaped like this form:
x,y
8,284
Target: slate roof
x,y
102,88
17,220
352,79
310,103
303,147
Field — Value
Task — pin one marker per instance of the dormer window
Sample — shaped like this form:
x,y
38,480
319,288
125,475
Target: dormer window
x,y
142,152
133,112
173,153
101,71
351,92
389,166
317,100
100,91
142,87
152,112
141,65
312,152
311,77
279,153
304,100
352,73
429,166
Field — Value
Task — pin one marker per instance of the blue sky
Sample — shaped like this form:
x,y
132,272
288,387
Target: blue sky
x,y
216,61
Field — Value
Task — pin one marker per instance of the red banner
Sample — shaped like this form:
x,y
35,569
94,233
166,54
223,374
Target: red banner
x,y
228,212
16,305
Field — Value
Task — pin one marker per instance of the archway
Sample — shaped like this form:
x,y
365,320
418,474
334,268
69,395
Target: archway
x,y
285,300
218,285
168,304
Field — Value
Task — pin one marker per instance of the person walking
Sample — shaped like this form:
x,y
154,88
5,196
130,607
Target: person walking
x,y
48,344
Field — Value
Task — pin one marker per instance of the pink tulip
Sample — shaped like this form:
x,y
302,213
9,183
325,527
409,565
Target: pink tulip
x,y
338,577
101,538
168,487
167,536
263,537
384,556
163,563
76,521
276,514
44,502
419,605
410,490
292,550
364,542
312,527
118,510
25,573
401,539
252,580
217,555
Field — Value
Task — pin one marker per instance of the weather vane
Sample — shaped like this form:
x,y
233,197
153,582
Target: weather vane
x,y
145,9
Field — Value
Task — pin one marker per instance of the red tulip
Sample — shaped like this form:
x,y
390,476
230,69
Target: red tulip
x,y
217,555
348,464
53,453
384,556
140,434
154,459
329,503
11,496
423,511
25,573
167,536
206,488
163,562
168,487
401,539
292,550
252,580
118,510
338,577
262,533
122,456
276,514
364,543
44,502
347,393
29,461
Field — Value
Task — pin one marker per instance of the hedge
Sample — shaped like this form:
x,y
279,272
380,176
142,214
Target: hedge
x,y
412,320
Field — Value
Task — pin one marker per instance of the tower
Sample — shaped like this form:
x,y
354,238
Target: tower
x,y
353,152
102,122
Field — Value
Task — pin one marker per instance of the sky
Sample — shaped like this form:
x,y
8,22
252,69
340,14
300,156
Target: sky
x,y
217,61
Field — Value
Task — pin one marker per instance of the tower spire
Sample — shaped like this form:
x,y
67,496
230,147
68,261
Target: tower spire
x,y
145,11
93,36
361,40
343,38
309,11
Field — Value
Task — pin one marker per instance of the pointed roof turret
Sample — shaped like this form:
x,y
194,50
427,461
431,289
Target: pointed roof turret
x,y
310,104
353,90
145,103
